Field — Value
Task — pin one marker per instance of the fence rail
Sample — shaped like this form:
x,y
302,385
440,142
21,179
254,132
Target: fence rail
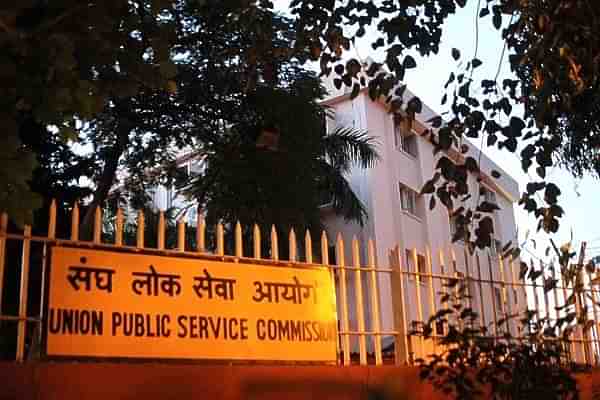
x,y
376,305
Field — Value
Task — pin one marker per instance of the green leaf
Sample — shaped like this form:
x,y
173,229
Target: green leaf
x,y
497,20
168,69
409,62
432,203
455,54
414,105
355,91
523,270
487,207
436,121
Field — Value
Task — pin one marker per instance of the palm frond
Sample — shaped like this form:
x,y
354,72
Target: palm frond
x,y
343,199
347,146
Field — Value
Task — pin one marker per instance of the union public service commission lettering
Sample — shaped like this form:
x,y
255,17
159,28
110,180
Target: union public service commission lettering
x,y
223,287
169,283
292,292
83,275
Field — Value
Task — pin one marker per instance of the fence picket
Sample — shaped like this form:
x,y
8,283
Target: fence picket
x,y
52,220
503,296
75,222
343,299
119,227
97,225
140,230
200,233
308,256
256,242
403,341
293,246
375,319
432,308
181,233
274,244
415,258
480,287
493,293
595,339
239,252
161,230
324,249
220,240
3,232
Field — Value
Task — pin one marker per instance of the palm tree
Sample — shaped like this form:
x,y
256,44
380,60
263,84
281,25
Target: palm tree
x,y
343,149
279,184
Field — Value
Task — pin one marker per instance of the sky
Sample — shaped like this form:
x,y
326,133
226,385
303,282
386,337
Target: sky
x,y
579,198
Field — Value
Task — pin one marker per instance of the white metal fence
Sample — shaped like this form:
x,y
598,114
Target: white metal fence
x,y
417,281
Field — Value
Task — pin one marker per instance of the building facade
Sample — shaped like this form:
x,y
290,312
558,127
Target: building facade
x,y
399,216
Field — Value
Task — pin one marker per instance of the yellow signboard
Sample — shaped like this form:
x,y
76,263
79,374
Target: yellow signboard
x,y
114,304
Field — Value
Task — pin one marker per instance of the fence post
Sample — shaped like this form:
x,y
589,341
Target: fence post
x,y
23,294
401,344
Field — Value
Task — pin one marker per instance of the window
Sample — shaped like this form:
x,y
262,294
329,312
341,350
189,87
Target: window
x,y
498,298
421,267
404,139
408,199
488,195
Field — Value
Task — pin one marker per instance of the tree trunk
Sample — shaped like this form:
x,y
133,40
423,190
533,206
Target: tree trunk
x,y
107,178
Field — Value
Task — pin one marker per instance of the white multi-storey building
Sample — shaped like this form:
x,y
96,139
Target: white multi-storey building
x,y
399,216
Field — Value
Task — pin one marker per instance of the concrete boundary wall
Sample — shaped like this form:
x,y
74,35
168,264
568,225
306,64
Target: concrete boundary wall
x,y
148,381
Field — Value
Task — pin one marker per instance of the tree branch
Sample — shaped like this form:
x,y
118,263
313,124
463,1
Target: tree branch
x,y
5,27
49,24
